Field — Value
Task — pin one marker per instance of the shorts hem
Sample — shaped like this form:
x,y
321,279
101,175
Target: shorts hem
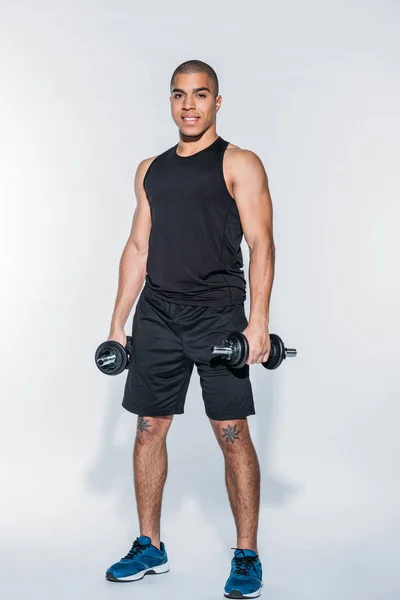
x,y
152,413
229,417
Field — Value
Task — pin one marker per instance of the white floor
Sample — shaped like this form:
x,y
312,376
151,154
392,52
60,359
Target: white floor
x,y
68,577
57,566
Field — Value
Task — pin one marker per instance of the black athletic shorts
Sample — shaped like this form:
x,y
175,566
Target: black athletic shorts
x,y
167,340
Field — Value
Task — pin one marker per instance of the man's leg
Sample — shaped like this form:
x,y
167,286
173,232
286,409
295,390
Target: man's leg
x,y
242,477
150,472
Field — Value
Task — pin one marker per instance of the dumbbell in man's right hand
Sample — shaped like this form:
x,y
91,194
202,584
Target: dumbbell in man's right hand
x,y
113,356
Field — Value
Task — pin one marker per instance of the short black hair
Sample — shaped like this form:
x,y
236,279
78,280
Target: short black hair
x,y
196,66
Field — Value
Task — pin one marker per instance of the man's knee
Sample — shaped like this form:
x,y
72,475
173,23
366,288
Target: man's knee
x,y
152,429
233,435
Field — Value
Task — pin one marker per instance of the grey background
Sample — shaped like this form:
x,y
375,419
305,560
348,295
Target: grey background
x,y
314,89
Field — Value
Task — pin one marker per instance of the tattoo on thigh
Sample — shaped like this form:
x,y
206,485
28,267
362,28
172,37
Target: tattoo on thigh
x,y
231,434
143,424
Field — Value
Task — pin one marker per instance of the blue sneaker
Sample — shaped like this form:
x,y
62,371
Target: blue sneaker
x,y
142,559
245,580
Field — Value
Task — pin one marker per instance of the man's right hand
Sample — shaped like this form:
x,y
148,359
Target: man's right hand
x,y
118,336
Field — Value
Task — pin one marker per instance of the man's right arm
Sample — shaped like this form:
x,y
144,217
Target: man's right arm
x,y
132,266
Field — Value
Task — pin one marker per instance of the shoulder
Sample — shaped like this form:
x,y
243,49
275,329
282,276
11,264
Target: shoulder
x,y
243,160
143,167
145,163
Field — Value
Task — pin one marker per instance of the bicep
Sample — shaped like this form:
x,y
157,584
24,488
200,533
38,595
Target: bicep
x,y
253,199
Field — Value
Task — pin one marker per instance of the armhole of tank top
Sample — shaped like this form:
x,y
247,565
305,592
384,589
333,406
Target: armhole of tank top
x,y
148,171
222,172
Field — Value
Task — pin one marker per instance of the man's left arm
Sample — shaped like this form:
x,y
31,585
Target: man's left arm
x,y
253,200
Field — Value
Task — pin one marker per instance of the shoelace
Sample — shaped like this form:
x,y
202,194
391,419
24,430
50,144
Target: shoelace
x,y
135,550
244,563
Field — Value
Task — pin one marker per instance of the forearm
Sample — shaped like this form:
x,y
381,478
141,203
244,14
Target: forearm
x,y
261,276
132,273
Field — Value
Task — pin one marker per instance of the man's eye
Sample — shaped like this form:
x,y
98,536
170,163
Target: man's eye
x,y
202,95
176,95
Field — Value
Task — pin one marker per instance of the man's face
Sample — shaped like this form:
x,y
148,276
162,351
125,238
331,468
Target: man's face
x,y
193,103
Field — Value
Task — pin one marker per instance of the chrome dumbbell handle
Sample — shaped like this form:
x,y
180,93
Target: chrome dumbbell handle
x,y
225,351
106,360
290,352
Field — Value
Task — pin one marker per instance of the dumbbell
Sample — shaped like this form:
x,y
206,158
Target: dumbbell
x,y
235,350
112,358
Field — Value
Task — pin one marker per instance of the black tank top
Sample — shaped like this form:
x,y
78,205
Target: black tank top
x,y
194,252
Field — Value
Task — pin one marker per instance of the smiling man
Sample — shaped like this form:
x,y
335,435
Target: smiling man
x,y
195,201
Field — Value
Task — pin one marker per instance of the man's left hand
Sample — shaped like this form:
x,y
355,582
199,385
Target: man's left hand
x,y
257,334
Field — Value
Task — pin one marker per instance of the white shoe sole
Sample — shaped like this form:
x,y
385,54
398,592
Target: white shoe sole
x,y
239,595
151,571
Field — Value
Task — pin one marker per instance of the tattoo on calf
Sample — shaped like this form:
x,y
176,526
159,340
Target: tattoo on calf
x,y
143,424
231,434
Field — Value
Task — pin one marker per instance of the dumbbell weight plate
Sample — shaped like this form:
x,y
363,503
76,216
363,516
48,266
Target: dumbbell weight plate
x,y
277,353
240,347
121,360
